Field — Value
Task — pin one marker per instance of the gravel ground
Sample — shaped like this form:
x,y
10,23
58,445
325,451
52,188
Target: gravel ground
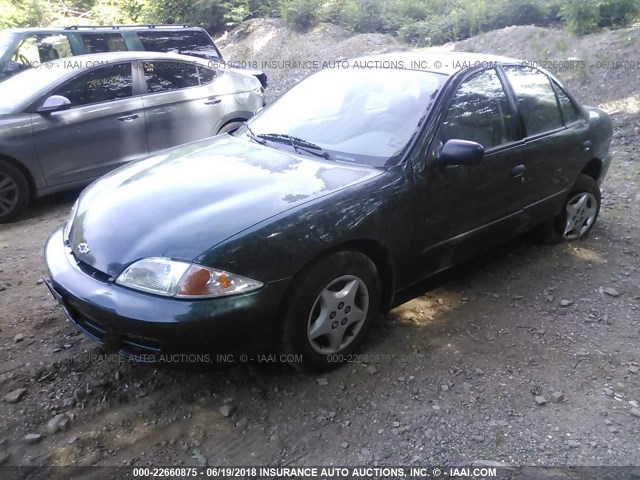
x,y
528,356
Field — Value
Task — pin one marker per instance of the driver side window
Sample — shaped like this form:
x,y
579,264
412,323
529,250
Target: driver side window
x,y
104,84
479,112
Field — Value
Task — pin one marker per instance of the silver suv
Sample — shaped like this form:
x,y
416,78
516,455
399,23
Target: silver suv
x,y
22,48
70,121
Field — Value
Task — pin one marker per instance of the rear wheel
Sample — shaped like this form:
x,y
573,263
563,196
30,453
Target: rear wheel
x,y
578,216
14,192
330,310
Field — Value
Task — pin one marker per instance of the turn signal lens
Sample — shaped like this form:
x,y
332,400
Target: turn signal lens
x,y
201,281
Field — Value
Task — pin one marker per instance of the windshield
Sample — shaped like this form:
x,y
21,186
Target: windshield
x,y
359,116
19,88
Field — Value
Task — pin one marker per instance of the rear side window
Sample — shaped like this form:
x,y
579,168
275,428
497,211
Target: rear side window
x,y
569,110
187,42
479,112
165,76
104,84
103,42
206,75
536,99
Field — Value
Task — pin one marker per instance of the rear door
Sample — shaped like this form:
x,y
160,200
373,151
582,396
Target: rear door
x,y
181,104
103,129
555,140
466,207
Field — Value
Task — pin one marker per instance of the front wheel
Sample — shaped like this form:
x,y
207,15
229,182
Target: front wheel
x,y
578,216
330,310
14,192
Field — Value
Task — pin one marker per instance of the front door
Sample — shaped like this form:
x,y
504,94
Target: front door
x,y
465,206
103,129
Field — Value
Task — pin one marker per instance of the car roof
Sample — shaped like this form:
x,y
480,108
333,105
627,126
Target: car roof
x,y
82,61
437,61
103,28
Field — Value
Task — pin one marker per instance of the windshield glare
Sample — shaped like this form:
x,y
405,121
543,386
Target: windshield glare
x,y
359,116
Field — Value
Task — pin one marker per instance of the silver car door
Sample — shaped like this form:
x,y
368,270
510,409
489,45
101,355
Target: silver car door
x,y
179,107
103,128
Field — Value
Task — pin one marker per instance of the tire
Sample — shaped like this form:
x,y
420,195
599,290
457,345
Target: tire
x,y
14,192
229,127
582,206
314,308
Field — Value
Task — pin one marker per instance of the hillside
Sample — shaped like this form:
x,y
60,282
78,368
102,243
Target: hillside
x,y
597,81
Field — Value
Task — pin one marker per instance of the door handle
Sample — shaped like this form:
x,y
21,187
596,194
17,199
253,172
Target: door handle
x,y
587,144
129,118
518,170
212,101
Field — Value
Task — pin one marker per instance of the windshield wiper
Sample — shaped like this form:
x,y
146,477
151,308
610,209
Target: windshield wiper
x,y
253,136
298,144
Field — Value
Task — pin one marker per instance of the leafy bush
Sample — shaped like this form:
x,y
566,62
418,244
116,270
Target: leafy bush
x,y
364,16
301,14
437,30
520,12
618,13
581,16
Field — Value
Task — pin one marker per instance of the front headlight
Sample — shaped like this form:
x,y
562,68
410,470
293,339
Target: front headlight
x,y
72,216
183,280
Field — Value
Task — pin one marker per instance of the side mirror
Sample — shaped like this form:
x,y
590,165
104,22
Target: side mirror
x,y
54,103
460,152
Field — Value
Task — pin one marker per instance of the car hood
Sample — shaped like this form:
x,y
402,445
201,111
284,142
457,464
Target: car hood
x,y
183,201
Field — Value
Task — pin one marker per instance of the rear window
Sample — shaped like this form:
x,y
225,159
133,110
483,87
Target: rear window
x,y
103,42
187,42
206,75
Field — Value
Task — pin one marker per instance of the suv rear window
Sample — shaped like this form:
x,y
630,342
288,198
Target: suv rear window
x,y
187,42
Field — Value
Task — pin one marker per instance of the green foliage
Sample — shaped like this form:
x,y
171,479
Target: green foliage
x,y
420,22
521,12
364,16
302,14
618,13
581,16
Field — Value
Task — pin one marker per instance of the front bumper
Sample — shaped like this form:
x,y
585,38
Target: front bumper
x,y
144,326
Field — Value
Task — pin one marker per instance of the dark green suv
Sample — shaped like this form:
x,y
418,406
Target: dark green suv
x,y
23,48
